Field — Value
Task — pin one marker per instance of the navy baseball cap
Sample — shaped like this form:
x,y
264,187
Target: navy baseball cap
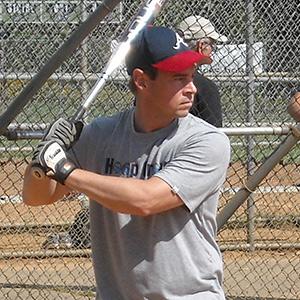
x,y
163,49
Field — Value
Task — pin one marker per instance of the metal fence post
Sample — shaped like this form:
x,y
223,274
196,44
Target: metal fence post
x,y
250,117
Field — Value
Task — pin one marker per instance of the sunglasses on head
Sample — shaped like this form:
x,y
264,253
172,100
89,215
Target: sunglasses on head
x,y
206,41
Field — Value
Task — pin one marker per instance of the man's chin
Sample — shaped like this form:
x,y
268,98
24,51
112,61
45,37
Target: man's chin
x,y
182,113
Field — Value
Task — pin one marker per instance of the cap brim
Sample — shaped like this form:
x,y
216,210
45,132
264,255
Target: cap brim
x,y
217,37
182,61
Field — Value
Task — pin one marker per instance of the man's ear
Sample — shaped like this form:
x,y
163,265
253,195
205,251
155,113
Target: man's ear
x,y
140,79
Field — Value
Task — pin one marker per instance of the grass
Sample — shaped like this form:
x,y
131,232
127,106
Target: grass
x,y
58,98
62,99
264,146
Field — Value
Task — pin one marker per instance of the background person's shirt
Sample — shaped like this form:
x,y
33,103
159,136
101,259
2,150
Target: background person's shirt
x,y
207,103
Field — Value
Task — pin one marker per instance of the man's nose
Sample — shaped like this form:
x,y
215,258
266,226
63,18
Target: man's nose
x,y
191,88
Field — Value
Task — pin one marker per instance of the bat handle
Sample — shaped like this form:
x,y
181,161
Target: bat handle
x,y
37,172
79,114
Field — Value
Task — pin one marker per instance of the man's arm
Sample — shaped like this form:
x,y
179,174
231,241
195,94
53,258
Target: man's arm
x,y
125,195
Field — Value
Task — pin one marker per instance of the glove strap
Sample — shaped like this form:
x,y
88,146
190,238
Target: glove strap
x,y
63,169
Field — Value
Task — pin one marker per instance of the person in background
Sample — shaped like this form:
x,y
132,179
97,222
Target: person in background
x,y
153,174
294,104
201,35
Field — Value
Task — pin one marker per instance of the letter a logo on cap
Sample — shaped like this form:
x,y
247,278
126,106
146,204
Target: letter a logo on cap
x,y
179,40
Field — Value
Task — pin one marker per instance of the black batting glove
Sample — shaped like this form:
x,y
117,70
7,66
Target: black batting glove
x,y
53,160
64,132
36,152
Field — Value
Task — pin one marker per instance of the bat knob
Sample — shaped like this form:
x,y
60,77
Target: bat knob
x,y
37,172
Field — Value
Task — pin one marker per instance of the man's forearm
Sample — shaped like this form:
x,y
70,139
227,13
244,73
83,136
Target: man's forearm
x,y
125,195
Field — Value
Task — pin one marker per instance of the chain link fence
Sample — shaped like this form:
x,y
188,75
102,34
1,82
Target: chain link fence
x,y
45,251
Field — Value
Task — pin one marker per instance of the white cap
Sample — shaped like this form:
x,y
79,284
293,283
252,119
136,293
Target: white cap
x,y
196,27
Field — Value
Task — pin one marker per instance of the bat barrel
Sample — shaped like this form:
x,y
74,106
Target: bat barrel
x,y
143,17
146,14
55,61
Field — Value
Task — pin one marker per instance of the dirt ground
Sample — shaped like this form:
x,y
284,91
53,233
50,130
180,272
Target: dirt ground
x,y
30,272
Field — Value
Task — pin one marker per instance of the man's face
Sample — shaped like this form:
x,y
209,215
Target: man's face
x,y
172,94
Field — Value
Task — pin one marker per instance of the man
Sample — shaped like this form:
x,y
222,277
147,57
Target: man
x,y
153,175
202,37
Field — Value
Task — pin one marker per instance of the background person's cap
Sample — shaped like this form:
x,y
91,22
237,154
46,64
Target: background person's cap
x,y
163,49
197,27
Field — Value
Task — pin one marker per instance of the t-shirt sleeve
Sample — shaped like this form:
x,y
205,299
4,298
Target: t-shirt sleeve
x,y
198,170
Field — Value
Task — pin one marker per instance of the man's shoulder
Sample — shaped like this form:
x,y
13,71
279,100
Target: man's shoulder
x,y
108,122
191,121
195,126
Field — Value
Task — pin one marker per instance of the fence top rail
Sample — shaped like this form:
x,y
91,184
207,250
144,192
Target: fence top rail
x,y
279,130
36,131
222,77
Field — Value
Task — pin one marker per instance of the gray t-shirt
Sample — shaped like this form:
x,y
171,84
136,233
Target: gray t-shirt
x,y
170,255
